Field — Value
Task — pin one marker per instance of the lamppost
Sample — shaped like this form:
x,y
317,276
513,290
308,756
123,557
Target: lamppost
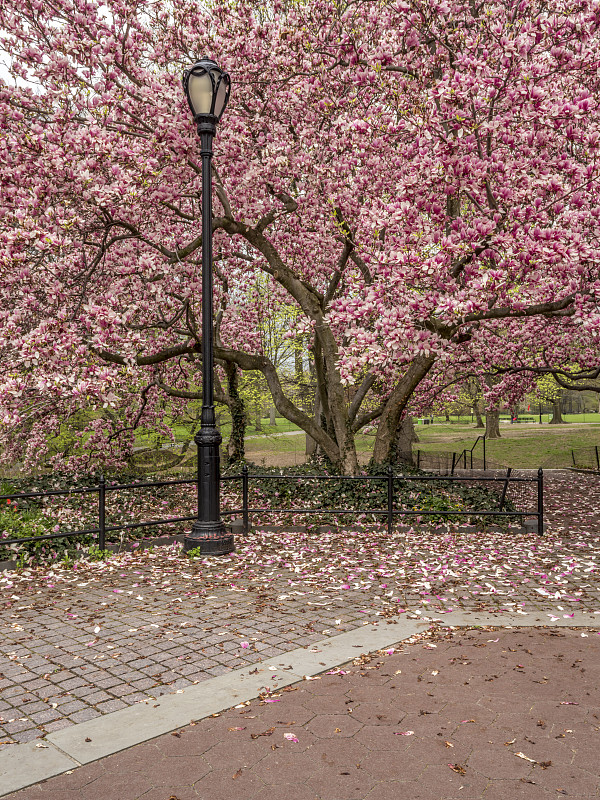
x,y
207,89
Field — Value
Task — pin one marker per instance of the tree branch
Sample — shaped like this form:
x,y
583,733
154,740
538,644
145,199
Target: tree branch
x,y
285,407
360,395
143,361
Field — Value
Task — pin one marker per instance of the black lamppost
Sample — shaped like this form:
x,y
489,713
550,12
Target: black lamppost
x,y
207,89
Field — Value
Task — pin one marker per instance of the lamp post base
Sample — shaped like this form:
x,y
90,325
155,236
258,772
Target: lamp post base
x,y
212,538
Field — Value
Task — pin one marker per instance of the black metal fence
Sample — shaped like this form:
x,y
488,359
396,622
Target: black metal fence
x,y
530,502
586,458
448,462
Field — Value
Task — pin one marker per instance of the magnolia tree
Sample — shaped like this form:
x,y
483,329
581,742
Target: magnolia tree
x,y
412,177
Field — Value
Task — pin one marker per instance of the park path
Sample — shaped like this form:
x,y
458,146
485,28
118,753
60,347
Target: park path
x,y
77,644
488,714
476,714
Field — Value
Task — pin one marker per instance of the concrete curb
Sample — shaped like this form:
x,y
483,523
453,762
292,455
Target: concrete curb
x,y
26,764
64,750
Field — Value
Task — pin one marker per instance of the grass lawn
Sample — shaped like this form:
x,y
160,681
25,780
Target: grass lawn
x,y
523,445
288,450
526,445
181,432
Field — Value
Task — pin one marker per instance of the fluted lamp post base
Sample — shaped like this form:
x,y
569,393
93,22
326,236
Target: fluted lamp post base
x,y
212,538
208,530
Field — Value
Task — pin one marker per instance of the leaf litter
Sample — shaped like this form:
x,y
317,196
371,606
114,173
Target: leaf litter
x,y
421,573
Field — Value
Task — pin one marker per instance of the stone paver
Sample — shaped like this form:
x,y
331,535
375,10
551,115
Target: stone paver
x,y
77,644
419,723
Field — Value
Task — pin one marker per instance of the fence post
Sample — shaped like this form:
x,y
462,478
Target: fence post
x,y
484,454
390,499
245,497
597,459
504,488
573,457
540,503
102,513
465,458
418,459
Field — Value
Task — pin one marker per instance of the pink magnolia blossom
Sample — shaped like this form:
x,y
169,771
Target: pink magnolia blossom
x,y
418,182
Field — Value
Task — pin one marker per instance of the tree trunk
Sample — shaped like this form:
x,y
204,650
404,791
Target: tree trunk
x,y
311,445
235,446
298,360
403,442
478,416
492,424
556,413
334,406
272,420
447,416
395,406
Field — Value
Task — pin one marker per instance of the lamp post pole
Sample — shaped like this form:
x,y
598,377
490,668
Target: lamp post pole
x,y
208,530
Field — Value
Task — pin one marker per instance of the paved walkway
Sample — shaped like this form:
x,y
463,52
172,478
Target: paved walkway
x,y
111,638
80,643
493,714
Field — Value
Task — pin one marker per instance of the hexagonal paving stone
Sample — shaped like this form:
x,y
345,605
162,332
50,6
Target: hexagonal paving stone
x,y
327,684
426,724
288,767
337,752
443,781
227,783
414,790
326,704
497,762
116,785
584,755
191,741
288,791
133,759
382,737
455,712
79,777
182,793
388,765
371,693
242,752
176,771
576,782
333,725
439,750
517,790
333,783
285,712
377,713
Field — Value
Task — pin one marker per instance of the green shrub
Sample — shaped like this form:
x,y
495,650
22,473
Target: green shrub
x,y
440,496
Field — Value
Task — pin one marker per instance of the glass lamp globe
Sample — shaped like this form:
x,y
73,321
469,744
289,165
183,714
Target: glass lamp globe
x,y
207,88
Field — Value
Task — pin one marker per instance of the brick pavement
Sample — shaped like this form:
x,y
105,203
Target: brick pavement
x,y
489,714
79,644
